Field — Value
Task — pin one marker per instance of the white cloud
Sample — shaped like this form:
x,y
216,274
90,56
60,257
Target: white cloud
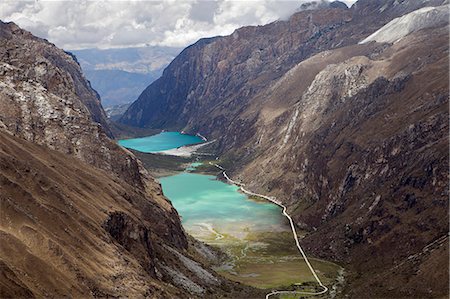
x,y
107,24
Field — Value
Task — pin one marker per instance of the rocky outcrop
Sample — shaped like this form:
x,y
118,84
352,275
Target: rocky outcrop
x,y
351,137
41,63
70,228
45,99
211,82
354,153
80,216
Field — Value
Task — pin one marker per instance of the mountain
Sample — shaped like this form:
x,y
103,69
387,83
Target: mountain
x,y
116,111
117,87
396,29
219,73
120,75
350,133
79,214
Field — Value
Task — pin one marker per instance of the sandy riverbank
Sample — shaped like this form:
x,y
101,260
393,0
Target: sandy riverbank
x,y
185,151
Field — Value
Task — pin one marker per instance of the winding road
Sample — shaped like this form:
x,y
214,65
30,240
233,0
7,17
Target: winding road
x,y
294,232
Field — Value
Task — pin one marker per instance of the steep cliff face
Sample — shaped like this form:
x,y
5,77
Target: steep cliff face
x,y
79,214
211,82
217,76
352,137
68,228
361,159
41,63
45,99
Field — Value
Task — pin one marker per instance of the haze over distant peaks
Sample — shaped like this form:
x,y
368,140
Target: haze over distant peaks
x,y
120,75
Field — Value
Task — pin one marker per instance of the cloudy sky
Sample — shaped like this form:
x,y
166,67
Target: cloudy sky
x,y
112,24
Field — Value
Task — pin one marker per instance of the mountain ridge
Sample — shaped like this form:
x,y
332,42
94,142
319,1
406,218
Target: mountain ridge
x,y
80,215
301,111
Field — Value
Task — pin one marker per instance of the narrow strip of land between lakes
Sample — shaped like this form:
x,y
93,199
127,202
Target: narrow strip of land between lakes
x,y
294,232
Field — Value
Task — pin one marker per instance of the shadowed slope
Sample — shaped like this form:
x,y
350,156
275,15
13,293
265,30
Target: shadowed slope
x,y
68,228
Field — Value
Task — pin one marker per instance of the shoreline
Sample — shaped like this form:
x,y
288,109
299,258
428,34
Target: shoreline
x,y
294,232
232,239
186,150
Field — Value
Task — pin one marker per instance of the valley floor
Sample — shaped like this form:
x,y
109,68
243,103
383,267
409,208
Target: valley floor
x,y
266,260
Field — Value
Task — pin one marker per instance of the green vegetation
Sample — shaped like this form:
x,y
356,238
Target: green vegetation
x,y
256,198
265,260
207,168
122,131
162,165
271,260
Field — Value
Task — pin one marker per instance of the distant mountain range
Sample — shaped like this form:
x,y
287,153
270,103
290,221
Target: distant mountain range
x,y
120,75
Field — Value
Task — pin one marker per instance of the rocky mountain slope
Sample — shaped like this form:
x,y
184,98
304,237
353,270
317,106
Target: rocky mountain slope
x,y
79,214
352,137
348,156
69,228
28,61
47,100
218,76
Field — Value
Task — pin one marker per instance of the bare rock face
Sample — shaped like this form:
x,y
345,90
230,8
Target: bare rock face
x,y
70,228
79,214
217,76
45,99
360,158
41,63
352,137
211,82
133,237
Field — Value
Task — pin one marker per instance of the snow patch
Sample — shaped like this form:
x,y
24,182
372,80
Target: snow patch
x,y
400,27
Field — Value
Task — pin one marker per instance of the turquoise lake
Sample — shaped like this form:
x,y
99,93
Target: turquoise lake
x,y
210,208
160,142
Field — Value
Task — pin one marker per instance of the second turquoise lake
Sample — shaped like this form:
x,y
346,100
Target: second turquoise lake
x,y
160,142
